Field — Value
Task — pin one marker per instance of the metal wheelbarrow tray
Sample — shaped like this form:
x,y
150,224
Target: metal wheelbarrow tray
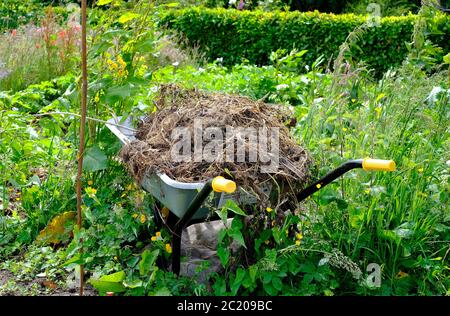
x,y
185,200
174,195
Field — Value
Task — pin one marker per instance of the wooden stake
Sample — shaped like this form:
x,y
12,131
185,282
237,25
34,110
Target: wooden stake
x,y
82,130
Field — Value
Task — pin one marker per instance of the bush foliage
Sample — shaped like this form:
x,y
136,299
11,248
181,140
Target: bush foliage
x,y
237,36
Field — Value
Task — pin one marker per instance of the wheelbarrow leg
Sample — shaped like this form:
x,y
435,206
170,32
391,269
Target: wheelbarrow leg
x,y
218,184
161,262
176,251
183,222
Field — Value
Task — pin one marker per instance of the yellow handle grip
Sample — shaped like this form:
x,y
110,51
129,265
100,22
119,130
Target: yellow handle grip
x,y
220,184
370,164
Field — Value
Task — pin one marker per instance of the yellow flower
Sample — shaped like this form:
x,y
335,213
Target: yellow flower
x,y
297,242
318,185
401,275
135,215
353,100
378,110
90,182
142,218
269,209
142,70
158,234
91,191
122,72
112,65
420,170
168,248
115,258
154,238
367,191
299,236
165,212
121,62
344,129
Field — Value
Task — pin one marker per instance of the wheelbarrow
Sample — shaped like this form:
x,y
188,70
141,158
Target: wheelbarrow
x,y
185,201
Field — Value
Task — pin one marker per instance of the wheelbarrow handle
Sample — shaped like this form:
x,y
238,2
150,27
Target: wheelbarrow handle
x,y
370,164
220,184
367,164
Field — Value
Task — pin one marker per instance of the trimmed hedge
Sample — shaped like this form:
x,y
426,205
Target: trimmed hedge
x,y
235,35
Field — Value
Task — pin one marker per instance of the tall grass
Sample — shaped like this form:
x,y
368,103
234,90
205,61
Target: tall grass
x,y
398,220
32,54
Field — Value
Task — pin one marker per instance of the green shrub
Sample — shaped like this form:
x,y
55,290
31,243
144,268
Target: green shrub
x,y
14,13
238,35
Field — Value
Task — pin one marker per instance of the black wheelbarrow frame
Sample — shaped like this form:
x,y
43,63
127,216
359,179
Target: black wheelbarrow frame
x,y
121,127
219,184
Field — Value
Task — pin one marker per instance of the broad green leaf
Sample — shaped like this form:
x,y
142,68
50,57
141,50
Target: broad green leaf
x,y
447,59
103,2
74,260
389,234
161,292
118,93
240,274
172,4
103,286
110,283
276,234
147,262
224,255
276,282
237,236
94,159
232,206
270,289
222,234
267,277
307,267
253,270
265,235
223,215
128,17
133,284
114,277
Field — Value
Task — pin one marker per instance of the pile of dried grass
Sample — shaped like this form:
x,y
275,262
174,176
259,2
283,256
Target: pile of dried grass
x,y
177,107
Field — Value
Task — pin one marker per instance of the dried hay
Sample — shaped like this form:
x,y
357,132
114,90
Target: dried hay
x,y
177,107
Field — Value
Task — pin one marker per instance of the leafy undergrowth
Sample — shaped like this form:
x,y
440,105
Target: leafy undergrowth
x,y
332,244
